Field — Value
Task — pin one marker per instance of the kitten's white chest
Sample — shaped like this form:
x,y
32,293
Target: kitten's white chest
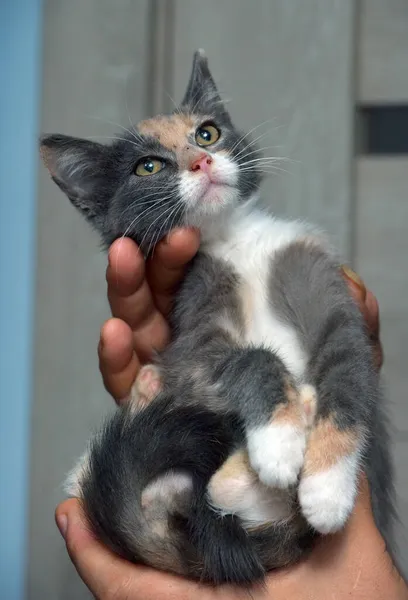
x,y
248,248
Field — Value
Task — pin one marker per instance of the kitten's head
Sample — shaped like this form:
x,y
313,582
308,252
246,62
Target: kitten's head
x,y
186,168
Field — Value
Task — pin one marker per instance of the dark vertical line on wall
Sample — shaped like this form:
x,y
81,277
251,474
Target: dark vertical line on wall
x,y
356,132
160,56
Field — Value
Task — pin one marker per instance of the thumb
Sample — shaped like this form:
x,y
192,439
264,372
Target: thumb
x,y
109,576
103,572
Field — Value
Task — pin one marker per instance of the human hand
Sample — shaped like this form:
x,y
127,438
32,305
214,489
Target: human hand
x,y
352,562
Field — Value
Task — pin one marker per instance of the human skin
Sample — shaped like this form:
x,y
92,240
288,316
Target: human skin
x,y
350,564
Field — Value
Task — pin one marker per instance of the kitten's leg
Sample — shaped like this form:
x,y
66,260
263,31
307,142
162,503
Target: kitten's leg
x,y
235,489
257,384
309,292
146,387
329,478
276,448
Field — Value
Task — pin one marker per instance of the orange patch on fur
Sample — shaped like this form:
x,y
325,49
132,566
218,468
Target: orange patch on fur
x,y
308,400
327,445
226,483
290,412
234,465
171,131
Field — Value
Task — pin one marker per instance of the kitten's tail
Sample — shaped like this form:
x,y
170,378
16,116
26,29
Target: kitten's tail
x,y
143,489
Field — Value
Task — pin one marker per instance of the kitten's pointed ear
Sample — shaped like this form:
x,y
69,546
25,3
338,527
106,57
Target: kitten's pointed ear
x,y
77,166
202,94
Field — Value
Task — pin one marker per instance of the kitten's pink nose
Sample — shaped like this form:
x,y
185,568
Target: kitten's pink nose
x,y
202,163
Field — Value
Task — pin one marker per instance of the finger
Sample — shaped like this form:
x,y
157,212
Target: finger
x,y
131,300
118,362
128,293
373,314
373,319
125,271
366,300
107,575
167,267
152,336
356,285
368,305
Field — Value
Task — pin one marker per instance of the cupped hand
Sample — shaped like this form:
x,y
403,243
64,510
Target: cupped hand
x,y
350,564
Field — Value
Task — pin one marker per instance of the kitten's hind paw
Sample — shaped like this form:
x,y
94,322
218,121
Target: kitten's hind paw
x,y
146,387
276,452
327,498
328,483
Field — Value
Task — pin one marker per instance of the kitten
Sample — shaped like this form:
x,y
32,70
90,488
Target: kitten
x,y
266,405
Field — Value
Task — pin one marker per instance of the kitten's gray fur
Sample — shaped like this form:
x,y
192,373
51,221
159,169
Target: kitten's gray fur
x,y
270,367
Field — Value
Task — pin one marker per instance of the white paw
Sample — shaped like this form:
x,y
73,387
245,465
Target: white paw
x,y
327,498
276,453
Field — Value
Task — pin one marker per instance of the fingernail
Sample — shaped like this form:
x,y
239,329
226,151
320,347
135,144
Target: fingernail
x,y
62,523
353,276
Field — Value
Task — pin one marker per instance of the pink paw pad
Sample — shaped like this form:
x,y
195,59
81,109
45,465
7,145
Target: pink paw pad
x,y
148,382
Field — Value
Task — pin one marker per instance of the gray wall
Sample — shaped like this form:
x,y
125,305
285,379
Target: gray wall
x,y
381,216
95,62
288,65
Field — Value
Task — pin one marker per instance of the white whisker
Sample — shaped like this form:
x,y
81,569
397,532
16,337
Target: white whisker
x,y
253,142
132,133
135,220
115,137
179,206
170,208
145,197
242,138
254,151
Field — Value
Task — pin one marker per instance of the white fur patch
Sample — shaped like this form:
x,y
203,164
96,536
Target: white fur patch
x,y
276,453
166,489
327,498
247,243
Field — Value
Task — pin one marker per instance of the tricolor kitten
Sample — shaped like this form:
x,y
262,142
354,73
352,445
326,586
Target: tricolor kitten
x,y
270,405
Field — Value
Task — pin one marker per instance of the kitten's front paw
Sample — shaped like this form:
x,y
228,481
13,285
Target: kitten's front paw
x,y
327,498
276,453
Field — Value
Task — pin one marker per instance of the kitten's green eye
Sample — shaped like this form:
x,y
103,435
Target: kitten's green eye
x,y
149,166
207,135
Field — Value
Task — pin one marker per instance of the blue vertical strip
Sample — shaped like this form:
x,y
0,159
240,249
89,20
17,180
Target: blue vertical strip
x,y
20,60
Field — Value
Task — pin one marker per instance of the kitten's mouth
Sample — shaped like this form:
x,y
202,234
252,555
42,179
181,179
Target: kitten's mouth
x,y
212,191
